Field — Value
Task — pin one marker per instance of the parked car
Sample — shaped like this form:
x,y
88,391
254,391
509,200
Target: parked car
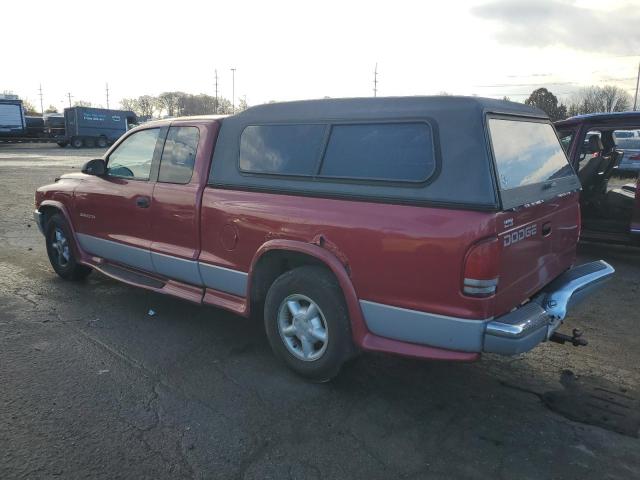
x,y
604,148
431,227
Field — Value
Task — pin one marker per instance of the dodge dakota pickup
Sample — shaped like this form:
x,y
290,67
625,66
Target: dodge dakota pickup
x,y
431,227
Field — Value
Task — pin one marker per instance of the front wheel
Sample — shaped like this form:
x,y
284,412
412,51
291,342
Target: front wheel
x,y
77,142
58,238
307,322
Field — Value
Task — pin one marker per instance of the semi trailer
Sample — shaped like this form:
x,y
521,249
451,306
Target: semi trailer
x,y
94,127
12,119
78,127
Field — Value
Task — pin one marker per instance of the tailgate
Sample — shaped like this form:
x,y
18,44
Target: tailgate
x,y
538,227
536,245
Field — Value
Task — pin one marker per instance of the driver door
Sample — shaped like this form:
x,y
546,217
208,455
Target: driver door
x,y
112,211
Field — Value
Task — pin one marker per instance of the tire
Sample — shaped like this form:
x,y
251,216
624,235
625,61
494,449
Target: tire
x,y
89,142
297,340
62,144
101,142
58,240
77,142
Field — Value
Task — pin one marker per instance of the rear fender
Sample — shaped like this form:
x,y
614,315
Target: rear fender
x,y
333,263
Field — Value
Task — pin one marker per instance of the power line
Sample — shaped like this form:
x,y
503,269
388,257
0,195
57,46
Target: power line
x,y
41,103
233,89
375,81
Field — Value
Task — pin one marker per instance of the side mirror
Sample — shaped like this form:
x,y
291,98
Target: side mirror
x,y
96,167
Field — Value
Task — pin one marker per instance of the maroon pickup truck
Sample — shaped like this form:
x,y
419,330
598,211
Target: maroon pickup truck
x,y
431,227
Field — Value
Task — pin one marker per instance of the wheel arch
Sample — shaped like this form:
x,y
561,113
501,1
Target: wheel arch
x,y
50,208
276,257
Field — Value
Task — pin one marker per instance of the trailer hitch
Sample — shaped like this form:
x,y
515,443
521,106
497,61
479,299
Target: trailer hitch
x,y
575,339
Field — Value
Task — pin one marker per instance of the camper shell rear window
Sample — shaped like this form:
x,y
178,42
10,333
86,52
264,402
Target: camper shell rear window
x,y
531,164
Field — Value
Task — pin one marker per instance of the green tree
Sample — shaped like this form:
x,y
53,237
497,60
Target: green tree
x,y
145,105
548,103
81,103
594,99
29,108
242,105
128,104
169,102
51,109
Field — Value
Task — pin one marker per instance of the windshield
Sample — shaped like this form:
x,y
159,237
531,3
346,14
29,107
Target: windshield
x,y
526,153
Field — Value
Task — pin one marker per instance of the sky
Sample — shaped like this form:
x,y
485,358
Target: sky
x,y
289,50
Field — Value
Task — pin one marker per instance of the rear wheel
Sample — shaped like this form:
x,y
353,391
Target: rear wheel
x,y
62,144
58,238
307,323
89,142
76,142
101,142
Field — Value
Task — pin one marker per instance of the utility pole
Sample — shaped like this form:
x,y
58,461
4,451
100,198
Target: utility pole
x,y
69,96
107,90
41,104
215,108
635,99
375,81
233,89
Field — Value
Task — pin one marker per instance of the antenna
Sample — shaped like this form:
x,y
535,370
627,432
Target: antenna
x,y
375,81
107,90
41,104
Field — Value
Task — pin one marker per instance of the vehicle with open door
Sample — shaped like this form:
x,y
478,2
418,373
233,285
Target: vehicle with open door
x,y
604,149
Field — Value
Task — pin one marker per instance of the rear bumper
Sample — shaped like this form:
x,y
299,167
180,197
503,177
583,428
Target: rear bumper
x,y
525,327
515,332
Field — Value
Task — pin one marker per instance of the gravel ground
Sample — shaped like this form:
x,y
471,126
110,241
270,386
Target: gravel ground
x,y
93,387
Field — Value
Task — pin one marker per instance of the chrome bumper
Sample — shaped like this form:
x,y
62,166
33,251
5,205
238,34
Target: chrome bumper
x,y
38,217
535,322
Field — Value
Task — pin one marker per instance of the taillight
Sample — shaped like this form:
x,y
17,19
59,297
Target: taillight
x,y
481,269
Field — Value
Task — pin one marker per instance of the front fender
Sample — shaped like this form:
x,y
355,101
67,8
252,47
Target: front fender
x,y
59,206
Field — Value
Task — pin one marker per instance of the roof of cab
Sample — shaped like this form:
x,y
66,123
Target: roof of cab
x,y
381,107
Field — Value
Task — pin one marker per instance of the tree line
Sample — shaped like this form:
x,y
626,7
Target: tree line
x,y
593,99
178,104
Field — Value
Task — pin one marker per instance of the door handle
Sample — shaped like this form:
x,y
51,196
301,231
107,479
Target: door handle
x,y
143,202
546,229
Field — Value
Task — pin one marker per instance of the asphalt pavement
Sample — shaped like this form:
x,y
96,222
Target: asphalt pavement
x,y
92,386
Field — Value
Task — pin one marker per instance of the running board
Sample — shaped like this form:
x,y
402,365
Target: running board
x,y
127,276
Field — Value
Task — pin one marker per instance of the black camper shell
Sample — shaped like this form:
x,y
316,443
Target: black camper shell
x,y
456,132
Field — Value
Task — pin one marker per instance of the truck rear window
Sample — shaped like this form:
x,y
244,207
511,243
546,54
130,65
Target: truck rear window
x,y
526,153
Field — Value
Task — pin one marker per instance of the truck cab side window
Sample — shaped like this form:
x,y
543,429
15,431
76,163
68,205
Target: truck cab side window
x,y
179,155
133,157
